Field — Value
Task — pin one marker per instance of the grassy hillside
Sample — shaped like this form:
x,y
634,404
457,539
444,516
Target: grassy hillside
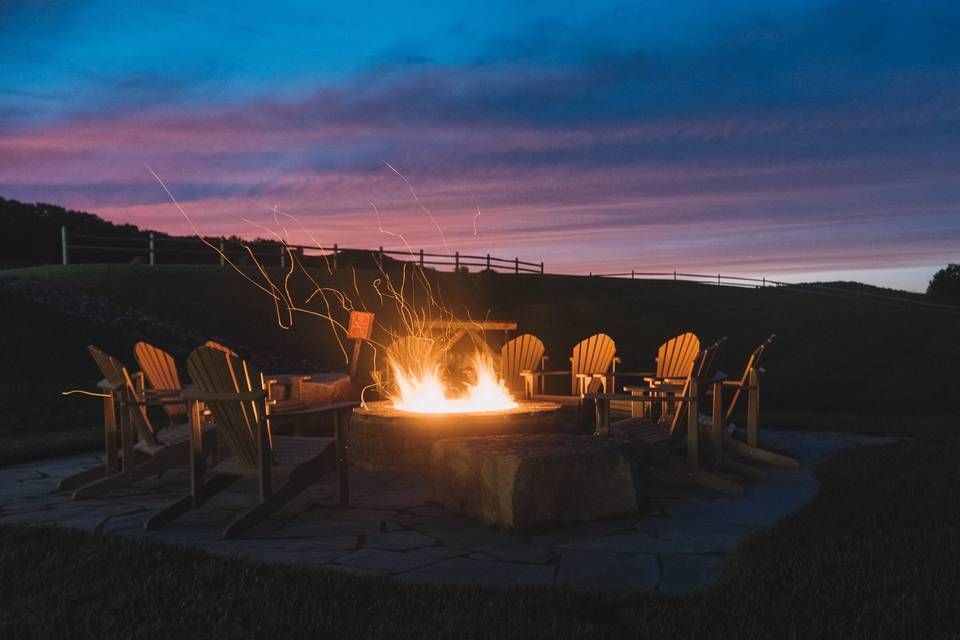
x,y
875,550
829,354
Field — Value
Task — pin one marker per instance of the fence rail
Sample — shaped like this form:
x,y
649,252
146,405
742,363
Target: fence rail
x,y
149,246
857,293
153,247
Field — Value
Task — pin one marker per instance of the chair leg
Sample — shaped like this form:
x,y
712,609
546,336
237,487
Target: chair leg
x,y
300,478
760,455
185,503
169,513
705,478
290,489
101,486
152,466
84,477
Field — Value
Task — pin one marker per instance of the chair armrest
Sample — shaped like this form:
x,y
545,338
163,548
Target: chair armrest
x,y
630,398
328,408
157,402
192,393
285,378
162,393
645,391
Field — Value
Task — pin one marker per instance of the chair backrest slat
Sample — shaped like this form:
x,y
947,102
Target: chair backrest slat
x,y
675,356
525,352
160,370
216,371
116,374
592,355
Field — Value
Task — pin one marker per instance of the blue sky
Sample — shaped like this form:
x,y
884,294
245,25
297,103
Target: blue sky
x,y
793,139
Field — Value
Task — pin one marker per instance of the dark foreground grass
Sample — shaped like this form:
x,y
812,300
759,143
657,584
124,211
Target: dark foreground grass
x,y
875,555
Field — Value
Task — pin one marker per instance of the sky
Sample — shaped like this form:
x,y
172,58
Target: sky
x,y
797,140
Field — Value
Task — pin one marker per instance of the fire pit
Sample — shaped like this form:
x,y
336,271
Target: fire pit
x,y
383,438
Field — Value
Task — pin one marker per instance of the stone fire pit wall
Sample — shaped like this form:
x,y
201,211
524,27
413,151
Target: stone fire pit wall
x,y
530,482
384,439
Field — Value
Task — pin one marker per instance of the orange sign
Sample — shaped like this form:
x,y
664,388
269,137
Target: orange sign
x,y
361,325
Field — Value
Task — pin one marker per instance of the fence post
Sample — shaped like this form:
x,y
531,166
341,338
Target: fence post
x,y
674,274
381,257
334,256
516,265
64,245
764,281
631,274
223,248
283,256
421,258
151,245
456,262
541,268
488,262
718,279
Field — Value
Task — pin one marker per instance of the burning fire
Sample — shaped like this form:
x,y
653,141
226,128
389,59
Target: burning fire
x,y
421,389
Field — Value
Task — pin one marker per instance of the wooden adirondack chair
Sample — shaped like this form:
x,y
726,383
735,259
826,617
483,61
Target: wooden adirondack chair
x,y
160,370
236,395
523,353
674,362
593,367
678,431
749,382
675,359
145,451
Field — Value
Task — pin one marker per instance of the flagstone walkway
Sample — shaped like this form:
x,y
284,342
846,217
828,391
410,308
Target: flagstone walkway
x,y
679,545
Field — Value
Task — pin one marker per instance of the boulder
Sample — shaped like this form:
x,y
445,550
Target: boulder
x,y
532,481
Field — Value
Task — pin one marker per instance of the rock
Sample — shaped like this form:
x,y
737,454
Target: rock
x,y
531,481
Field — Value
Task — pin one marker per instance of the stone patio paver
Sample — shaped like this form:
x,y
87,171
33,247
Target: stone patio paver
x,y
681,544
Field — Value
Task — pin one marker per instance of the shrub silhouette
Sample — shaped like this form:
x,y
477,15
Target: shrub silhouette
x,y
946,283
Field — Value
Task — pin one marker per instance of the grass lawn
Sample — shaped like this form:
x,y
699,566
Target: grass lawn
x,y
875,555
44,353
830,355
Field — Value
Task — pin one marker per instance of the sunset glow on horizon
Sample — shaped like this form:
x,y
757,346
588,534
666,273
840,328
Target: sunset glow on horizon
x,y
798,140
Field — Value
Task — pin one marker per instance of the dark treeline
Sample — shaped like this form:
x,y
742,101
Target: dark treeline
x,y
32,237
32,231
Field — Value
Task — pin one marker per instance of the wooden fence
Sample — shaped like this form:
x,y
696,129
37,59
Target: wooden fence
x,y
151,248
855,292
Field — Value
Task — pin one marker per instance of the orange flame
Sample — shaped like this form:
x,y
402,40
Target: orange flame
x,y
421,389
